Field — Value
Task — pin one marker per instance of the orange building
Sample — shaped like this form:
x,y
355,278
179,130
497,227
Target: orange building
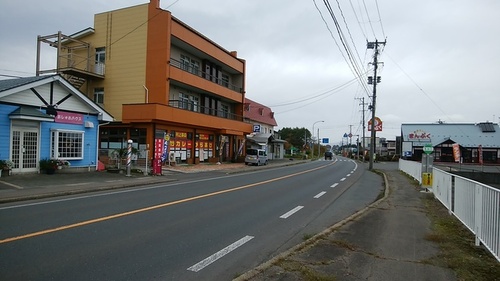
x,y
173,92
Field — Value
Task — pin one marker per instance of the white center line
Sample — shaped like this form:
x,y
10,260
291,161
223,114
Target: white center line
x,y
204,263
342,179
348,175
334,185
320,194
291,212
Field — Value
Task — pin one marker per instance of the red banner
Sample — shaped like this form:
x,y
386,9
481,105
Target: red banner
x,y
480,152
456,152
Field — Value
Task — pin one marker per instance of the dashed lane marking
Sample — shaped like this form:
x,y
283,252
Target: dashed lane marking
x,y
211,259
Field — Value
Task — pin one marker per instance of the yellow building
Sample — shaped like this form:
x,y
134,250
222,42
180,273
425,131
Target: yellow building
x,y
161,80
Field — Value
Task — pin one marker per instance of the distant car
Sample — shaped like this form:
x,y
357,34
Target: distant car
x,y
256,157
328,155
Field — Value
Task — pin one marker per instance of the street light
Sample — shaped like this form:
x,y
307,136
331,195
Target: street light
x,y
312,134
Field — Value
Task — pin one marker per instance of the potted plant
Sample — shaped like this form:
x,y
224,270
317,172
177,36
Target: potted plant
x,y
62,163
5,167
48,165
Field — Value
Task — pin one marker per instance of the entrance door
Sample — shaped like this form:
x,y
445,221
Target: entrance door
x,y
24,149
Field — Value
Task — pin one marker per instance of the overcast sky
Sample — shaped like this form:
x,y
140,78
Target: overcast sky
x,y
441,60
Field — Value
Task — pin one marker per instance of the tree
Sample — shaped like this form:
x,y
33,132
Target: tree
x,y
295,136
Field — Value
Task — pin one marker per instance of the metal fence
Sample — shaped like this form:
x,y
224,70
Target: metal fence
x,y
475,204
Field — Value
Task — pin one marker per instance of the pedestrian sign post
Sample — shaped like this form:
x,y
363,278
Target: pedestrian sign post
x,y
427,167
428,149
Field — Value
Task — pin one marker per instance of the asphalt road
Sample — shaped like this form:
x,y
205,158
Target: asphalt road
x,y
194,229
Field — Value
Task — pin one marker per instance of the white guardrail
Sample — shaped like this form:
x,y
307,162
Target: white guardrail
x,y
475,204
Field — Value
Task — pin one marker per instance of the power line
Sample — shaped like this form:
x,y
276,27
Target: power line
x,y
321,94
369,20
351,61
380,19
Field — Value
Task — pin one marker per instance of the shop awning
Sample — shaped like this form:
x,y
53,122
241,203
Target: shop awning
x,y
261,139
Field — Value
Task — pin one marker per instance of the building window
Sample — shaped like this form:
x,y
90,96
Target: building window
x,y
99,95
113,138
225,80
100,55
190,65
100,60
225,110
183,101
66,144
185,61
195,101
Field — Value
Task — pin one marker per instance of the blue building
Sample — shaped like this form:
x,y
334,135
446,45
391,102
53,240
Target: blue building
x,y
46,117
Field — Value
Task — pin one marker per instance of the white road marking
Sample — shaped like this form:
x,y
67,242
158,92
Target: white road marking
x,y
206,262
77,184
334,185
291,212
348,175
320,194
342,179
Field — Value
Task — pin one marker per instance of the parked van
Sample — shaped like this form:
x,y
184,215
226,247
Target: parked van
x,y
256,156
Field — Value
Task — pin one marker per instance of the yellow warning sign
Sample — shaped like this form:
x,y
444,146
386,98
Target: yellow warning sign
x,y
426,179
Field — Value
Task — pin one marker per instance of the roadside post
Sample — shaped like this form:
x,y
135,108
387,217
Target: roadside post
x,y
129,155
427,166
146,172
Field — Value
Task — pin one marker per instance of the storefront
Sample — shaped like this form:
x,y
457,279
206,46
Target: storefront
x,y
45,117
464,143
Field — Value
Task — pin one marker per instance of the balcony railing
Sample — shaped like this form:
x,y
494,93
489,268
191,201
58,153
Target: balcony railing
x,y
191,106
198,72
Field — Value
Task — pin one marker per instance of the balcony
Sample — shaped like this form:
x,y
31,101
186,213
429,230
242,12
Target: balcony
x,y
199,73
73,58
146,113
191,106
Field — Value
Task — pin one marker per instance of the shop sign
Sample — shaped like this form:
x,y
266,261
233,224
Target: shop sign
x,y
378,125
419,135
68,118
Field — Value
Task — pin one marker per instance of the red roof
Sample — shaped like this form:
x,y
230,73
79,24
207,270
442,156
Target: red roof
x,y
257,112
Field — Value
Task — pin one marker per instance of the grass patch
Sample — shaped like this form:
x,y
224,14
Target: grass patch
x,y
306,273
456,242
307,236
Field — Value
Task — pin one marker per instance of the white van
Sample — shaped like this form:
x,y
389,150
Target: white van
x,y
256,156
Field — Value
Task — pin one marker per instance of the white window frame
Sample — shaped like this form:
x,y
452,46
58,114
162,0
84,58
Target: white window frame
x,y
99,95
70,153
183,101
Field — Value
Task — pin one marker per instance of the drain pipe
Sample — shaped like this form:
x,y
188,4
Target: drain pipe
x,y
147,93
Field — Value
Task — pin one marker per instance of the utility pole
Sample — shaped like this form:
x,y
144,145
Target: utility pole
x,y
375,79
363,123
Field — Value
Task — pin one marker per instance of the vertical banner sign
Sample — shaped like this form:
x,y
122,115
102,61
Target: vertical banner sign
x,y
159,142
480,152
456,152
166,141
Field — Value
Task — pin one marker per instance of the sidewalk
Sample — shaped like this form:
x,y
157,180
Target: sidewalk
x,y
35,186
386,241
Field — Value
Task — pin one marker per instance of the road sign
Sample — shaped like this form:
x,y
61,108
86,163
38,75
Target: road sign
x,y
428,149
325,140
